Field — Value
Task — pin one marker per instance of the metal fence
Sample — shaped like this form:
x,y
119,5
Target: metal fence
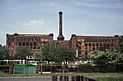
x,y
71,78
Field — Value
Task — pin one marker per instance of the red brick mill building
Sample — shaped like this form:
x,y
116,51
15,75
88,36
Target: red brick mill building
x,y
82,44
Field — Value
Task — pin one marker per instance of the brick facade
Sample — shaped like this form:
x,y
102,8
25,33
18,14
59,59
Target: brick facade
x,y
32,41
86,44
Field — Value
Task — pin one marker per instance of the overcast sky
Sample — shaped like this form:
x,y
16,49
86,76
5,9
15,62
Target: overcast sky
x,y
81,17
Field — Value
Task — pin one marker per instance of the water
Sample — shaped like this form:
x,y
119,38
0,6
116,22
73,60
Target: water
x,y
43,78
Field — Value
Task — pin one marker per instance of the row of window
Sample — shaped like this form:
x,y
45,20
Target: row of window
x,y
11,39
30,44
94,48
34,48
27,44
99,44
32,39
94,44
96,40
28,39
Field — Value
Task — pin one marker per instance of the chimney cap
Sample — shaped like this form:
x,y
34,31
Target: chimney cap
x,y
60,12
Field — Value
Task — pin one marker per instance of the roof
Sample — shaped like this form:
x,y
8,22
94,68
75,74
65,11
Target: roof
x,y
16,34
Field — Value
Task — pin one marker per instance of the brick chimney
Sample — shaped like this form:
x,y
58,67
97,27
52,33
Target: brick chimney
x,y
60,37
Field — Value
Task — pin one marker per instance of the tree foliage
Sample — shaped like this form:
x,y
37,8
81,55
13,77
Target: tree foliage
x,y
21,53
99,57
107,57
3,52
54,52
38,56
51,51
120,44
67,55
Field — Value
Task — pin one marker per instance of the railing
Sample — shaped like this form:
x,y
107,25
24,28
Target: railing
x,y
71,78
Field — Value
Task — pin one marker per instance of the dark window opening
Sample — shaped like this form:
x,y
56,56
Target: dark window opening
x,y
34,47
93,49
97,44
27,44
86,44
19,43
89,44
34,43
23,44
30,44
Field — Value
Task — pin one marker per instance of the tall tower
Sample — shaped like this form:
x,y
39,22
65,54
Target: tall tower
x,y
60,37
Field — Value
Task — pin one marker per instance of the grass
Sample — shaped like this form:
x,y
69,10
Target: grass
x,y
97,76
106,76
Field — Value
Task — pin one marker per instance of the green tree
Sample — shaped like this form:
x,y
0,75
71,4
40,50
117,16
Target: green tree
x,y
114,57
68,54
51,51
99,57
54,52
3,52
38,56
120,44
21,53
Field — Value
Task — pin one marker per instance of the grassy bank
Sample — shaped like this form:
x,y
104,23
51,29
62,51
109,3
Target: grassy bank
x,y
97,76
106,76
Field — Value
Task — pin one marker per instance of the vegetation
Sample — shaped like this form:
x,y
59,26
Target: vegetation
x,y
3,52
38,56
97,76
114,57
55,53
107,57
68,54
21,53
120,44
51,52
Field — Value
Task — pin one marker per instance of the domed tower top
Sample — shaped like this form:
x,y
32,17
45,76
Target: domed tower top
x,y
60,13
60,37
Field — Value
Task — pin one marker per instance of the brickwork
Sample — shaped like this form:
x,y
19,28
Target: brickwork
x,y
32,41
86,44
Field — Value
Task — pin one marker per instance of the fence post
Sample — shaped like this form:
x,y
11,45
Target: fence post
x,y
77,78
54,78
73,78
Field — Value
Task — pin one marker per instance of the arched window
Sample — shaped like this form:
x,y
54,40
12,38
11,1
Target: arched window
x,y
97,44
100,44
86,44
108,44
30,43
19,43
27,44
34,43
89,44
23,43
93,44
93,48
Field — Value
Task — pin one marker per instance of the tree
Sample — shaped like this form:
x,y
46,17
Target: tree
x,y
67,55
120,44
38,56
51,51
3,52
99,57
114,57
54,52
21,53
